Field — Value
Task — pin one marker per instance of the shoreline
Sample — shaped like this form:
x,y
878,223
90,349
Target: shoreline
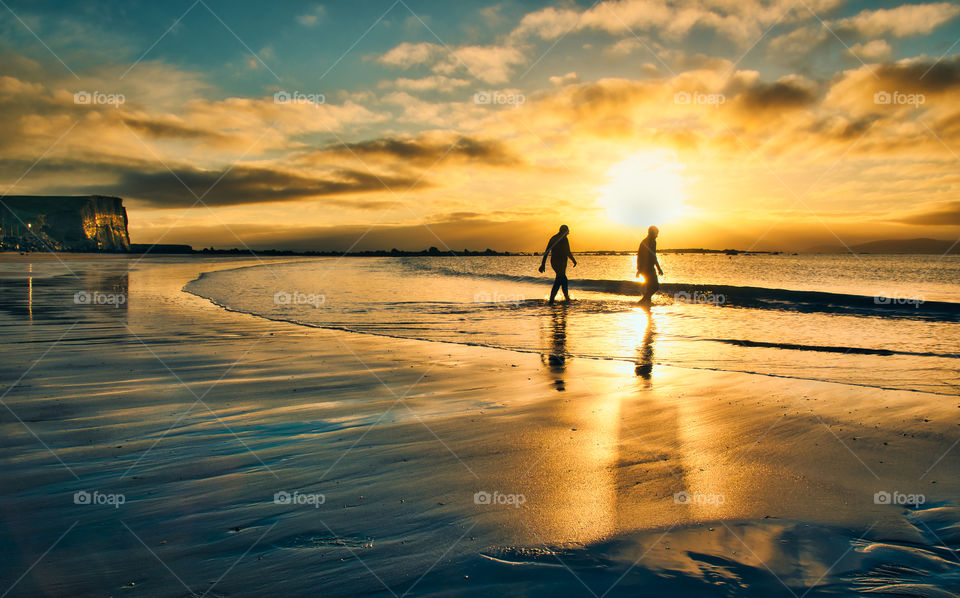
x,y
399,435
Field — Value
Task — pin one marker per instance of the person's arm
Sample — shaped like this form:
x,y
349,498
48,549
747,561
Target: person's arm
x,y
572,259
656,261
543,262
639,254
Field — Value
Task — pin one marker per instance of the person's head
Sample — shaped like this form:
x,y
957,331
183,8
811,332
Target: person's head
x,y
652,232
564,229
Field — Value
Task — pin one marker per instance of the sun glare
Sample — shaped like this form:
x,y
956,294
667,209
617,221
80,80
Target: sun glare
x,y
645,188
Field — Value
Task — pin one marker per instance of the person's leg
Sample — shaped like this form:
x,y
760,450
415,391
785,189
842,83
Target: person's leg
x,y
654,285
556,287
563,284
650,286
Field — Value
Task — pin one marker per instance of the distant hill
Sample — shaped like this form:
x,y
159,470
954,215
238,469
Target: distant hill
x,y
927,246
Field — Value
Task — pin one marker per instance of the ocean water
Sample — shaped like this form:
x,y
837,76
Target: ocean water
x,y
880,321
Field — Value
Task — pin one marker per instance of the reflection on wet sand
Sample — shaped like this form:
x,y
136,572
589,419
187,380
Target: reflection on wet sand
x,y
645,352
556,360
88,293
613,457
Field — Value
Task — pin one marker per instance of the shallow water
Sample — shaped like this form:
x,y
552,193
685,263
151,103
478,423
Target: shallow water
x,y
813,317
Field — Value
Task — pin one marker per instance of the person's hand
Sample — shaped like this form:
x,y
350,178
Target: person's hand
x,y
638,273
543,268
574,263
661,271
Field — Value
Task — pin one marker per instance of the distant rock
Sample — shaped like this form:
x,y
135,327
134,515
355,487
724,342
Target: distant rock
x,y
81,224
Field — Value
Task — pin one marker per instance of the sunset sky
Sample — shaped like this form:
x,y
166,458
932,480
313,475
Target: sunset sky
x,y
764,124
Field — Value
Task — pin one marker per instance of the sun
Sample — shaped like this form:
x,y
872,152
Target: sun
x,y
644,189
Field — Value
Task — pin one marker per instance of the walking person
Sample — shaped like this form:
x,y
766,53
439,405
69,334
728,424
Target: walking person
x,y
648,265
558,249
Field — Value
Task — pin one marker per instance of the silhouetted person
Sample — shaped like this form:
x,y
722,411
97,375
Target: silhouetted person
x,y
648,265
558,248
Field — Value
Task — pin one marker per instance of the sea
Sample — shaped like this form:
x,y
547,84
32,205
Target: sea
x,y
884,321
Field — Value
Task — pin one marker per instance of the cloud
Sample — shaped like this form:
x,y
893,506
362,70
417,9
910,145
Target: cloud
x,y
428,150
435,114
242,185
902,21
787,93
431,83
875,50
409,54
547,23
743,21
315,15
567,79
169,126
945,213
624,47
491,64
800,41
856,90
924,75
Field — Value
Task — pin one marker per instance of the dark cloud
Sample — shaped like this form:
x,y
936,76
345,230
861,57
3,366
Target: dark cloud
x,y
168,128
922,76
611,95
244,185
777,96
843,129
944,214
427,151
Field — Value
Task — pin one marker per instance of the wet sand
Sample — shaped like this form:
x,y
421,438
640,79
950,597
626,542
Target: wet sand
x,y
194,418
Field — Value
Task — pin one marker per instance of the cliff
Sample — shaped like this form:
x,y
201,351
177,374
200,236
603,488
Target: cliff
x,y
86,223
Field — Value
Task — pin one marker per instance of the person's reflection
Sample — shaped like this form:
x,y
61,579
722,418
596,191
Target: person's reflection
x,y
30,292
556,359
645,350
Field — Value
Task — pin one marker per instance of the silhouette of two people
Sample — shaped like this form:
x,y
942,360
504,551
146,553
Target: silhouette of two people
x,y
558,250
648,265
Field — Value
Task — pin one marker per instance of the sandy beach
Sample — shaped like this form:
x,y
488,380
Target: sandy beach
x,y
413,468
